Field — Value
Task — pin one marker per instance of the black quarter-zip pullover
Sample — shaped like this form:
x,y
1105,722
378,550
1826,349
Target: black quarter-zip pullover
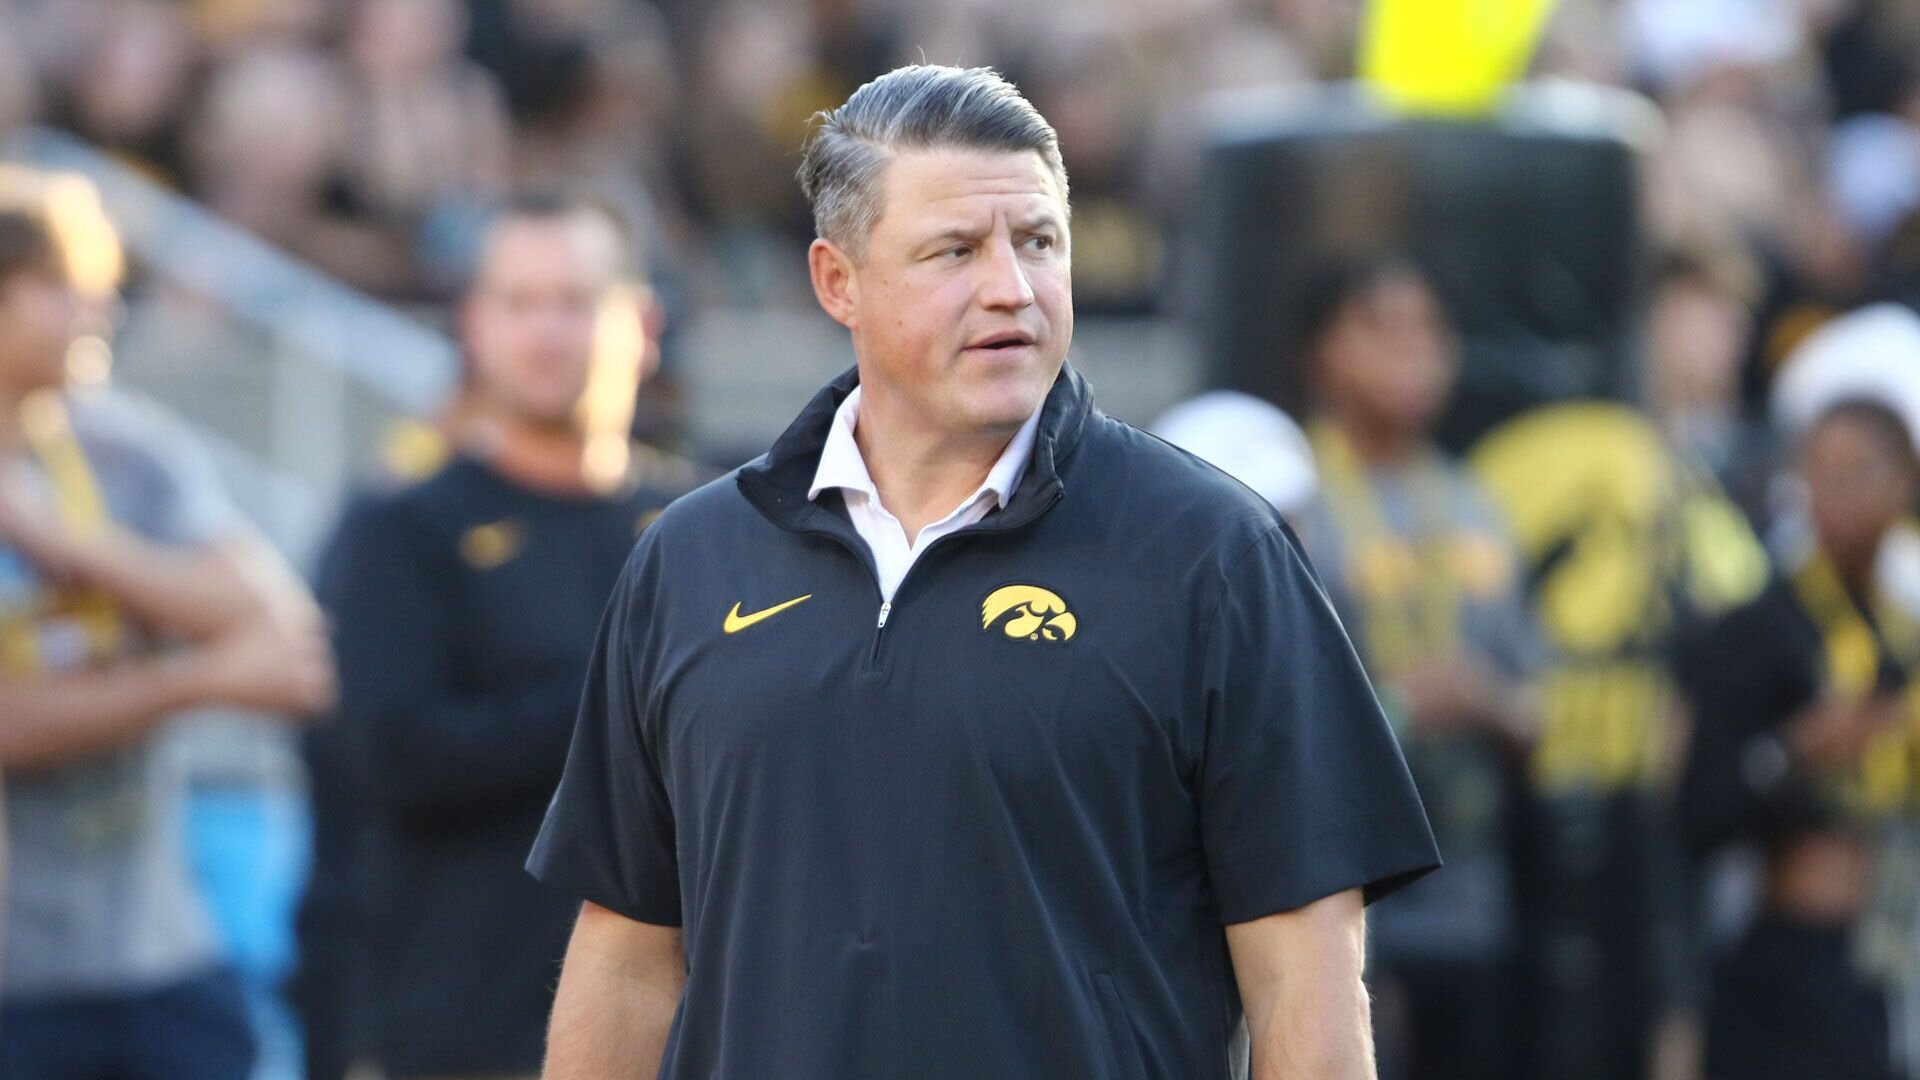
x,y
994,828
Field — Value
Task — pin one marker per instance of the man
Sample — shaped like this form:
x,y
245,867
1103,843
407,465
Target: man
x,y
464,606
968,732
1421,571
129,592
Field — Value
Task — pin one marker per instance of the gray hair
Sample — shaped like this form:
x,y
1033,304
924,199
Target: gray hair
x,y
922,107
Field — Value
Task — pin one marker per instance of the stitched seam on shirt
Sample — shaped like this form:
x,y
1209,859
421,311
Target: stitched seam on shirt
x,y
1226,579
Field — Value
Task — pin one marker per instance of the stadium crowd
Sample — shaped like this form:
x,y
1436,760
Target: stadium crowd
x,y
1651,660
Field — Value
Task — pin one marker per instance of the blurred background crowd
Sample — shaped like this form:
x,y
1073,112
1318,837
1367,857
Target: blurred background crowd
x,y
1593,398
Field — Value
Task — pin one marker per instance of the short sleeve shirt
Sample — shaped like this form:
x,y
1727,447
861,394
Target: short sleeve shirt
x,y
999,835
100,897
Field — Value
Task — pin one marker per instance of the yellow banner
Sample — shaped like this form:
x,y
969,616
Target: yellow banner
x,y
1452,57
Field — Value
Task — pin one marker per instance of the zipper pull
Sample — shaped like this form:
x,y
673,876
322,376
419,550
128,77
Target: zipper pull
x,y
886,608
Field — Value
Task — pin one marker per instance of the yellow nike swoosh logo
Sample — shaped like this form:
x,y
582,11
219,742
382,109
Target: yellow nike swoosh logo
x,y
737,622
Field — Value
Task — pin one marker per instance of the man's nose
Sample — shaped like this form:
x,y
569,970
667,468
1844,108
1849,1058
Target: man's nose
x,y
1004,284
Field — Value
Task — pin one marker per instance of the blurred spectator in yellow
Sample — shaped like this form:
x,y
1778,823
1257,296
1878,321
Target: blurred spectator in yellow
x,y
1806,745
464,607
130,591
1427,582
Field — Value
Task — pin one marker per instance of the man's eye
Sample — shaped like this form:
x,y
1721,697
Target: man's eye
x,y
955,252
1040,243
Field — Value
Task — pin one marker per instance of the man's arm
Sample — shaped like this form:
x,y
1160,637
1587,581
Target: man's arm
x,y
191,592
1300,982
52,719
618,993
56,717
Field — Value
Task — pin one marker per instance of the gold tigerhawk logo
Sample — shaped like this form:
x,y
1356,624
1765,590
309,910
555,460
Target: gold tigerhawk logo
x,y
1037,614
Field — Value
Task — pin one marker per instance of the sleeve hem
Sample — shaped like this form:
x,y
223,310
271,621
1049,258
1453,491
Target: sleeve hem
x,y
656,913
1361,853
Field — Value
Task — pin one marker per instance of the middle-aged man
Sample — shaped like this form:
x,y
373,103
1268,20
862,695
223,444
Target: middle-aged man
x,y
968,733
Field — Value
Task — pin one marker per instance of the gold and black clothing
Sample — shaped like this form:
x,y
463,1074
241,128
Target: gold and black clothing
x,y
1625,546
1801,992
1420,568
1750,673
464,609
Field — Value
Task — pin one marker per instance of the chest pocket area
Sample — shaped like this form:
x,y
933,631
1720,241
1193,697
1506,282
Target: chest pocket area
x,y
1040,682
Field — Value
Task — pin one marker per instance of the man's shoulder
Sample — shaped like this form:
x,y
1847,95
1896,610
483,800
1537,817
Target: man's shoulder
x,y
1151,479
424,514
713,516
391,500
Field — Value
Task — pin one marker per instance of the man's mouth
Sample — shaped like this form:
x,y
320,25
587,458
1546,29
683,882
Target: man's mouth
x,y
1011,339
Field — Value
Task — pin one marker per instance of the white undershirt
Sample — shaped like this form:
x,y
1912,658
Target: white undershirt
x,y
841,466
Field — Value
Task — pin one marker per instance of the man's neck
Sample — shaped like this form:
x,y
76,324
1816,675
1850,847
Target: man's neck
x,y
922,474
551,460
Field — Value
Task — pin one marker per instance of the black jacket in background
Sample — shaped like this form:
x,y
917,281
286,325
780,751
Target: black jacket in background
x,y
464,609
1746,676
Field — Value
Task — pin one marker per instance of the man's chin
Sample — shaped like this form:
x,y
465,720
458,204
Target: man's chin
x,y
1008,406
547,421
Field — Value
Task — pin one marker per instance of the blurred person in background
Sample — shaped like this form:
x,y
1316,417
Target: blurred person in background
x,y
129,87
130,591
1097,88
267,147
427,135
20,91
1805,747
464,608
1698,330
1423,574
756,77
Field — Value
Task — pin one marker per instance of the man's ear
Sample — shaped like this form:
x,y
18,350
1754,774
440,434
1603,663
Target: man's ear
x,y
834,283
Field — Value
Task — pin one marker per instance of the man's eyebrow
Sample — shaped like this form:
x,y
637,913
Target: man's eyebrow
x,y
956,232
1045,219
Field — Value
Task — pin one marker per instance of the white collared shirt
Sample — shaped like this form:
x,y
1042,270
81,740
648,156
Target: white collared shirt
x,y
841,466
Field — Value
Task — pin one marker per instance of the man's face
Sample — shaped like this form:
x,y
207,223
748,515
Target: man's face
x,y
962,307
40,315
531,317
1390,355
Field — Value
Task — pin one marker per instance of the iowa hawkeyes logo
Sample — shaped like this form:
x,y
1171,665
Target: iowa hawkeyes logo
x,y
1036,614
486,547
